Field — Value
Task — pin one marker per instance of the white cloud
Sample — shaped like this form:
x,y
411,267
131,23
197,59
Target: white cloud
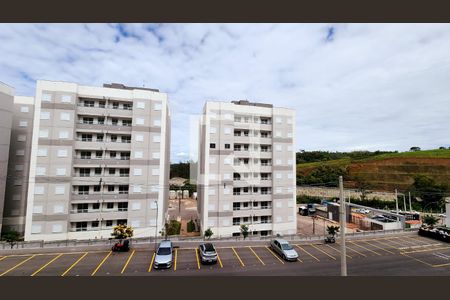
x,y
373,86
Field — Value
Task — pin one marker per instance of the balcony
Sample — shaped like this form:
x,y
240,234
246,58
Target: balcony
x,y
103,127
96,216
119,112
94,179
99,196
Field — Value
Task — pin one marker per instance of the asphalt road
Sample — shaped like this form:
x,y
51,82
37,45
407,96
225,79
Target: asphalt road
x,y
405,254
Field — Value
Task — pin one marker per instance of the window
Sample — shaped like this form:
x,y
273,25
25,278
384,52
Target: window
x,y
139,137
64,116
88,120
278,162
124,172
39,190
21,138
81,226
156,139
125,155
20,152
88,103
37,209
123,206
60,190
58,209
212,129
86,137
236,206
289,148
66,98
115,105
109,223
45,115
126,122
112,154
136,206
140,105
100,137
18,182
137,172
85,172
227,161
112,171
111,188
212,160
278,120
227,146
100,121
227,130
36,228
135,223
127,106
98,171
236,221
94,224
123,189
83,190
42,152
95,206
113,138
62,153
23,123
212,146
40,171
290,162
85,155
289,134
289,120
278,175
101,104
236,191
138,154
97,188
121,222
24,109
63,134
43,133
19,167
98,154
157,106
46,97
157,123
278,147
211,191
139,121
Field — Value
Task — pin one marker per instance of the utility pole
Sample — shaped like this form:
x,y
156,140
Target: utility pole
x,y
404,202
409,194
396,203
156,227
343,224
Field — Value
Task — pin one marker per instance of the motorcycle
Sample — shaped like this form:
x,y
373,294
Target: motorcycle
x,y
121,246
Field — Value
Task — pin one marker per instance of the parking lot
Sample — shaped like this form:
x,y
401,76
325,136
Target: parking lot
x,y
407,254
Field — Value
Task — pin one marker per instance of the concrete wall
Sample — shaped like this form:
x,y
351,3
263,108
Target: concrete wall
x,y
334,193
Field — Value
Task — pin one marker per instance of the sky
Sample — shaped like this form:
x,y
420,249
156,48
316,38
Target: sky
x,y
353,86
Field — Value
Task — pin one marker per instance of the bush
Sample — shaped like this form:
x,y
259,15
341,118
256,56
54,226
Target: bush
x,y
190,226
173,227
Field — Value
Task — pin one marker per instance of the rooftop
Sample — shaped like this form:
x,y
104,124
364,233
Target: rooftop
x,y
246,102
124,87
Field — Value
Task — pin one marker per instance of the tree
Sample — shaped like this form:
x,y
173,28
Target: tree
x,y
332,230
208,233
244,230
11,237
442,148
430,220
414,148
173,227
429,191
122,231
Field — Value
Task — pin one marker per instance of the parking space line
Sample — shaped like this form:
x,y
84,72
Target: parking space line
x,y
3,257
256,255
218,258
151,262
406,241
338,251
379,247
419,260
364,248
307,253
418,239
175,262
198,261
323,252
18,265
441,265
395,242
240,260
127,262
101,263
74,264
426,250
275,255
56,253
356,251
44,266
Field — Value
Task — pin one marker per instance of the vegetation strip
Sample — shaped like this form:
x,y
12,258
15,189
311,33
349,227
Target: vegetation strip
x,y
44,266
74,264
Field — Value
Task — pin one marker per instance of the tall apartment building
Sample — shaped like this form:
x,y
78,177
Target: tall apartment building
x,y
99,157
247,169
6,111
19,165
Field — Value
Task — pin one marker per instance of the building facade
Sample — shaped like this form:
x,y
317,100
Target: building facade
x,y
99,157
247,169
19,165
6,112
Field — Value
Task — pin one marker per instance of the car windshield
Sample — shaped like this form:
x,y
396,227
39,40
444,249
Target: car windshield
x,y
286,247
163,251
209,248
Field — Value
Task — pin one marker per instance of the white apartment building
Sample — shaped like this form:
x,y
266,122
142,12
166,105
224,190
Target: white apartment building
x,y
247,169
99,157
19,165
6,112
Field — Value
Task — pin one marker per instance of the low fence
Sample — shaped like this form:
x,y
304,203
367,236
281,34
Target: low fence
x,y
179,239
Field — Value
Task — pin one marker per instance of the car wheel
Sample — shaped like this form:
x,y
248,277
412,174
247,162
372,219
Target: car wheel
x,y
284,257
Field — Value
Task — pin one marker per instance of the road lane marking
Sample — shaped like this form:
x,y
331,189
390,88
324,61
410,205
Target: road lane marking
x,y
395,242
55,253
220,261
127,262
44,266
276,256
18,265
101,263
240,260
256,255
365,248
356,251
426,250
387,244
441,265
151,262
198,261
424,262
175,262
406,241
338,251
379,247
307,253
3,257
74,264
323,252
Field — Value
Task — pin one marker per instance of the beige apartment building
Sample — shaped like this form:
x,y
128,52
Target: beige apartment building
x,y
99,157
6,112
247,169
19,165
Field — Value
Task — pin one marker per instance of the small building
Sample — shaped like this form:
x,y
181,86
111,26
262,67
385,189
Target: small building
x,y
333,211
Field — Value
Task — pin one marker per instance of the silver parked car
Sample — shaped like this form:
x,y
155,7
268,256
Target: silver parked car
x,y
284,249
163,258
207,253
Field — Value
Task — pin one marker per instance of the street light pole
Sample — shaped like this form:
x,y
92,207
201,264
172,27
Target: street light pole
x,y
343,224
156,225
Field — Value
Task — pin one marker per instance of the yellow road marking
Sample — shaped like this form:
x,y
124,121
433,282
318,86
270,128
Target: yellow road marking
x,y
198,261
406,241
418,239
424,262
395,242
74,264
101,263
41,268
3,257
356,251
128,261
364,248
386,244
307,253
426,250
338,251
323,251
18,265
175,262
240,260
218,258
275,255
151,262
55,253
256,255
441,265
379,247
